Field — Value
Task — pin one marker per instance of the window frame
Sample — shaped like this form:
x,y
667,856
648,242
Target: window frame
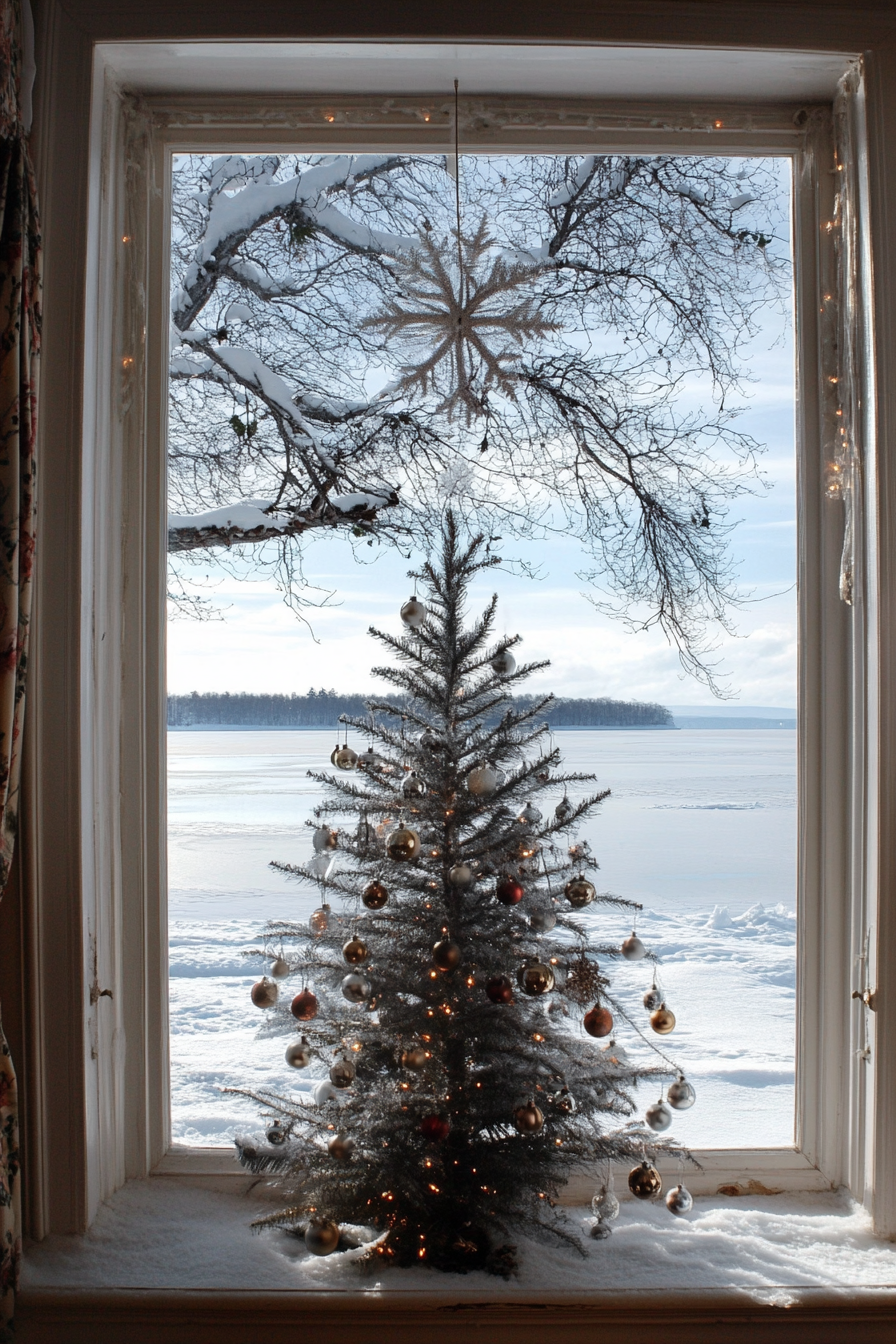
x,y
124,547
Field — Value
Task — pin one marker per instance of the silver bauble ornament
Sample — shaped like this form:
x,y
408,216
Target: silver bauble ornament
x,y
342,1073
605,1205
413,786
503,663
633,949
413,613
335,752
679,1201
264,993
346,759
280,968
431,741
482,780
530,815
341,1148
298,1055
460,875
322,1236
563,810
536,978
356,988
615,1054
542,921
403,844
323,1091
600,1230
658,1117
324,838
368,760
564,1102
322,865
681,1095
652,998
276,1134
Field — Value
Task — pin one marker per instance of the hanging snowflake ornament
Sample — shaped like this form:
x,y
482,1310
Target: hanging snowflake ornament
x,y
461,320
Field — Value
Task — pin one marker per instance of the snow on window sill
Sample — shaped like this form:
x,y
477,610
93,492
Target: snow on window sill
x,y
165,1234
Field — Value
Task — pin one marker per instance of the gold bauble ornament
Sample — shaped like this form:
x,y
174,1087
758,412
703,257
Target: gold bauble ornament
x,y
322,1236
528,1119
633,949
342,1073
341,1148
346,759
374,896
403,844
355,951
579,892
415,1058
536,978
264,993
662,1020
645,1182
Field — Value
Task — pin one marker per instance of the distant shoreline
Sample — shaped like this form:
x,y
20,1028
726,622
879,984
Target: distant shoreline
x,y
706,725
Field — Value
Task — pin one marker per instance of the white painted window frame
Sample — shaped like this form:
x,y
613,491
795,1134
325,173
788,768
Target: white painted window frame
x,y
123,625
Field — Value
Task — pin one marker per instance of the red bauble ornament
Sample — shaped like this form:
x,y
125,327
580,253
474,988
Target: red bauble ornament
x,y
304,1006
434,1127
500,989
599,1021
509,891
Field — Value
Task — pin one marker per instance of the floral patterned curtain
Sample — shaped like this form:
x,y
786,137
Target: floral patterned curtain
x,y
19,360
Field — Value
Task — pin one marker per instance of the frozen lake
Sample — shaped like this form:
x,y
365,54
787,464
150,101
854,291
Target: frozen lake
x,y
700,827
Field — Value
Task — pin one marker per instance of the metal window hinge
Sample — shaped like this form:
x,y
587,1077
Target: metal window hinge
x,y
97,993
867,996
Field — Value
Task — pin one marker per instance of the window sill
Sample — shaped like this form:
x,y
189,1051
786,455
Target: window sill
x,y
167,1260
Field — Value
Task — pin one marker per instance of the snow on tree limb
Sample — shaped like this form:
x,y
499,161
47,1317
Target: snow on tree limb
x,y
252,521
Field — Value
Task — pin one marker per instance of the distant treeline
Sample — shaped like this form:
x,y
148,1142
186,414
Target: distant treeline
x,y
322,709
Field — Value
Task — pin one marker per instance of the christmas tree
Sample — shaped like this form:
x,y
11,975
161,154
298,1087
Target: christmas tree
x,y
455,1004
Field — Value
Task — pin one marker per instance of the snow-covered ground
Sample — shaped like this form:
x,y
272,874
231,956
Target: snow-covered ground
x,y
701,827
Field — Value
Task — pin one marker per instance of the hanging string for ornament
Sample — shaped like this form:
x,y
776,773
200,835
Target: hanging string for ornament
x,y
461,288
646,1039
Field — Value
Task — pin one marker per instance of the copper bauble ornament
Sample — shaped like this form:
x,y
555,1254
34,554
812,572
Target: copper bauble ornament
x,y
276,1134
658,1117
509,891
662,1020
679,1201
482,780
403,844
598,1021
356,988
413,787
415,1058
319,920
542,921
446,954
374,896
435,1128
633,949
499,989
324,838
605,1205
645,1181
341,1148
413,613
503,664
304,1006
322,1236
681,1095
346,759
536,978
264,993
460,875
342,1073
652,998
528,1119
280,968
335,752
355,951
579,892
298,1055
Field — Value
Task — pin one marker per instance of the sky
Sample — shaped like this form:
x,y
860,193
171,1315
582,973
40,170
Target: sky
x,y
261,646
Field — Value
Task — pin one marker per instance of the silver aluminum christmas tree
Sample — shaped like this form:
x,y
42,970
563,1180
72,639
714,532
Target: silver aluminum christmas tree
x,y
452,1009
